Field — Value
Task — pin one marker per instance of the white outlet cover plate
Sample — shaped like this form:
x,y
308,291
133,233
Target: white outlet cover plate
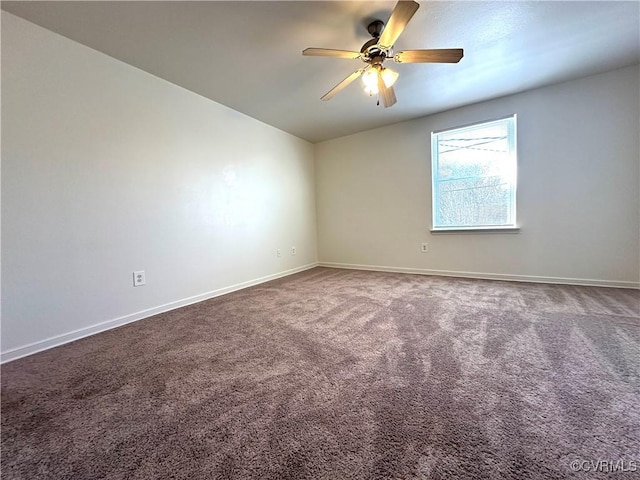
x,y
139,278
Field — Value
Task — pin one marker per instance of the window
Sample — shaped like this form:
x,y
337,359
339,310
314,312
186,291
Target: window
x,y
474,172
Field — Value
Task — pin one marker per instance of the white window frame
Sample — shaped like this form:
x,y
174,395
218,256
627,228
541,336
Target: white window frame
x,y
512,143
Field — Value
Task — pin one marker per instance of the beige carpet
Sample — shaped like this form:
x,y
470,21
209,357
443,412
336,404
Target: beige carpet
x,y
338,374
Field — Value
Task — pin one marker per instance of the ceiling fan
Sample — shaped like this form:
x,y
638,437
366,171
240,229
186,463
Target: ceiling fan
x,y
377,78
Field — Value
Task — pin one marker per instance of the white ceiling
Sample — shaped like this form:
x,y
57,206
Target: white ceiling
x,y
247,55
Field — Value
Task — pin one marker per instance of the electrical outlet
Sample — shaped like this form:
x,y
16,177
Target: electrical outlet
x,y
293,250
424,247
139,278
278,253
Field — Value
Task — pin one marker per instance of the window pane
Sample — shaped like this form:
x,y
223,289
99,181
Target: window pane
x,y
474,176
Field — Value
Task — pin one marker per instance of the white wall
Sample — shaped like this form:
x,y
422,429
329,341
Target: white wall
x,y
107,170
578,200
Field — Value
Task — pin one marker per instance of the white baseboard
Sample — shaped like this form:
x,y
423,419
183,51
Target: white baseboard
x,y
58,340
487,276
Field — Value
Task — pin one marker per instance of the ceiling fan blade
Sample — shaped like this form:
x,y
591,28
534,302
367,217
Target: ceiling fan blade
x,y
444,55
329,95
330,52
398,20
387,94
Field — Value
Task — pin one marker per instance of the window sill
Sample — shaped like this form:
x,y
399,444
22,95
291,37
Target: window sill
x,y
468,230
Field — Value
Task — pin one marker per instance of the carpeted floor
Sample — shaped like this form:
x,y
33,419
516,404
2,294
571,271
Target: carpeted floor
x,y
338,374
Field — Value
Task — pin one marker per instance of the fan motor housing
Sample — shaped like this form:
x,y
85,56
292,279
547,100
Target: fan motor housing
x,y
371,51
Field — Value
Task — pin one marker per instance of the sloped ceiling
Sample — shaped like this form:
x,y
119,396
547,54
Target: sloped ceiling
x,y
247,55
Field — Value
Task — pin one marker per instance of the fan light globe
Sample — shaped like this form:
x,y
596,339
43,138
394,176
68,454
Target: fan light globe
x,y
389,77
371,90
370,79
